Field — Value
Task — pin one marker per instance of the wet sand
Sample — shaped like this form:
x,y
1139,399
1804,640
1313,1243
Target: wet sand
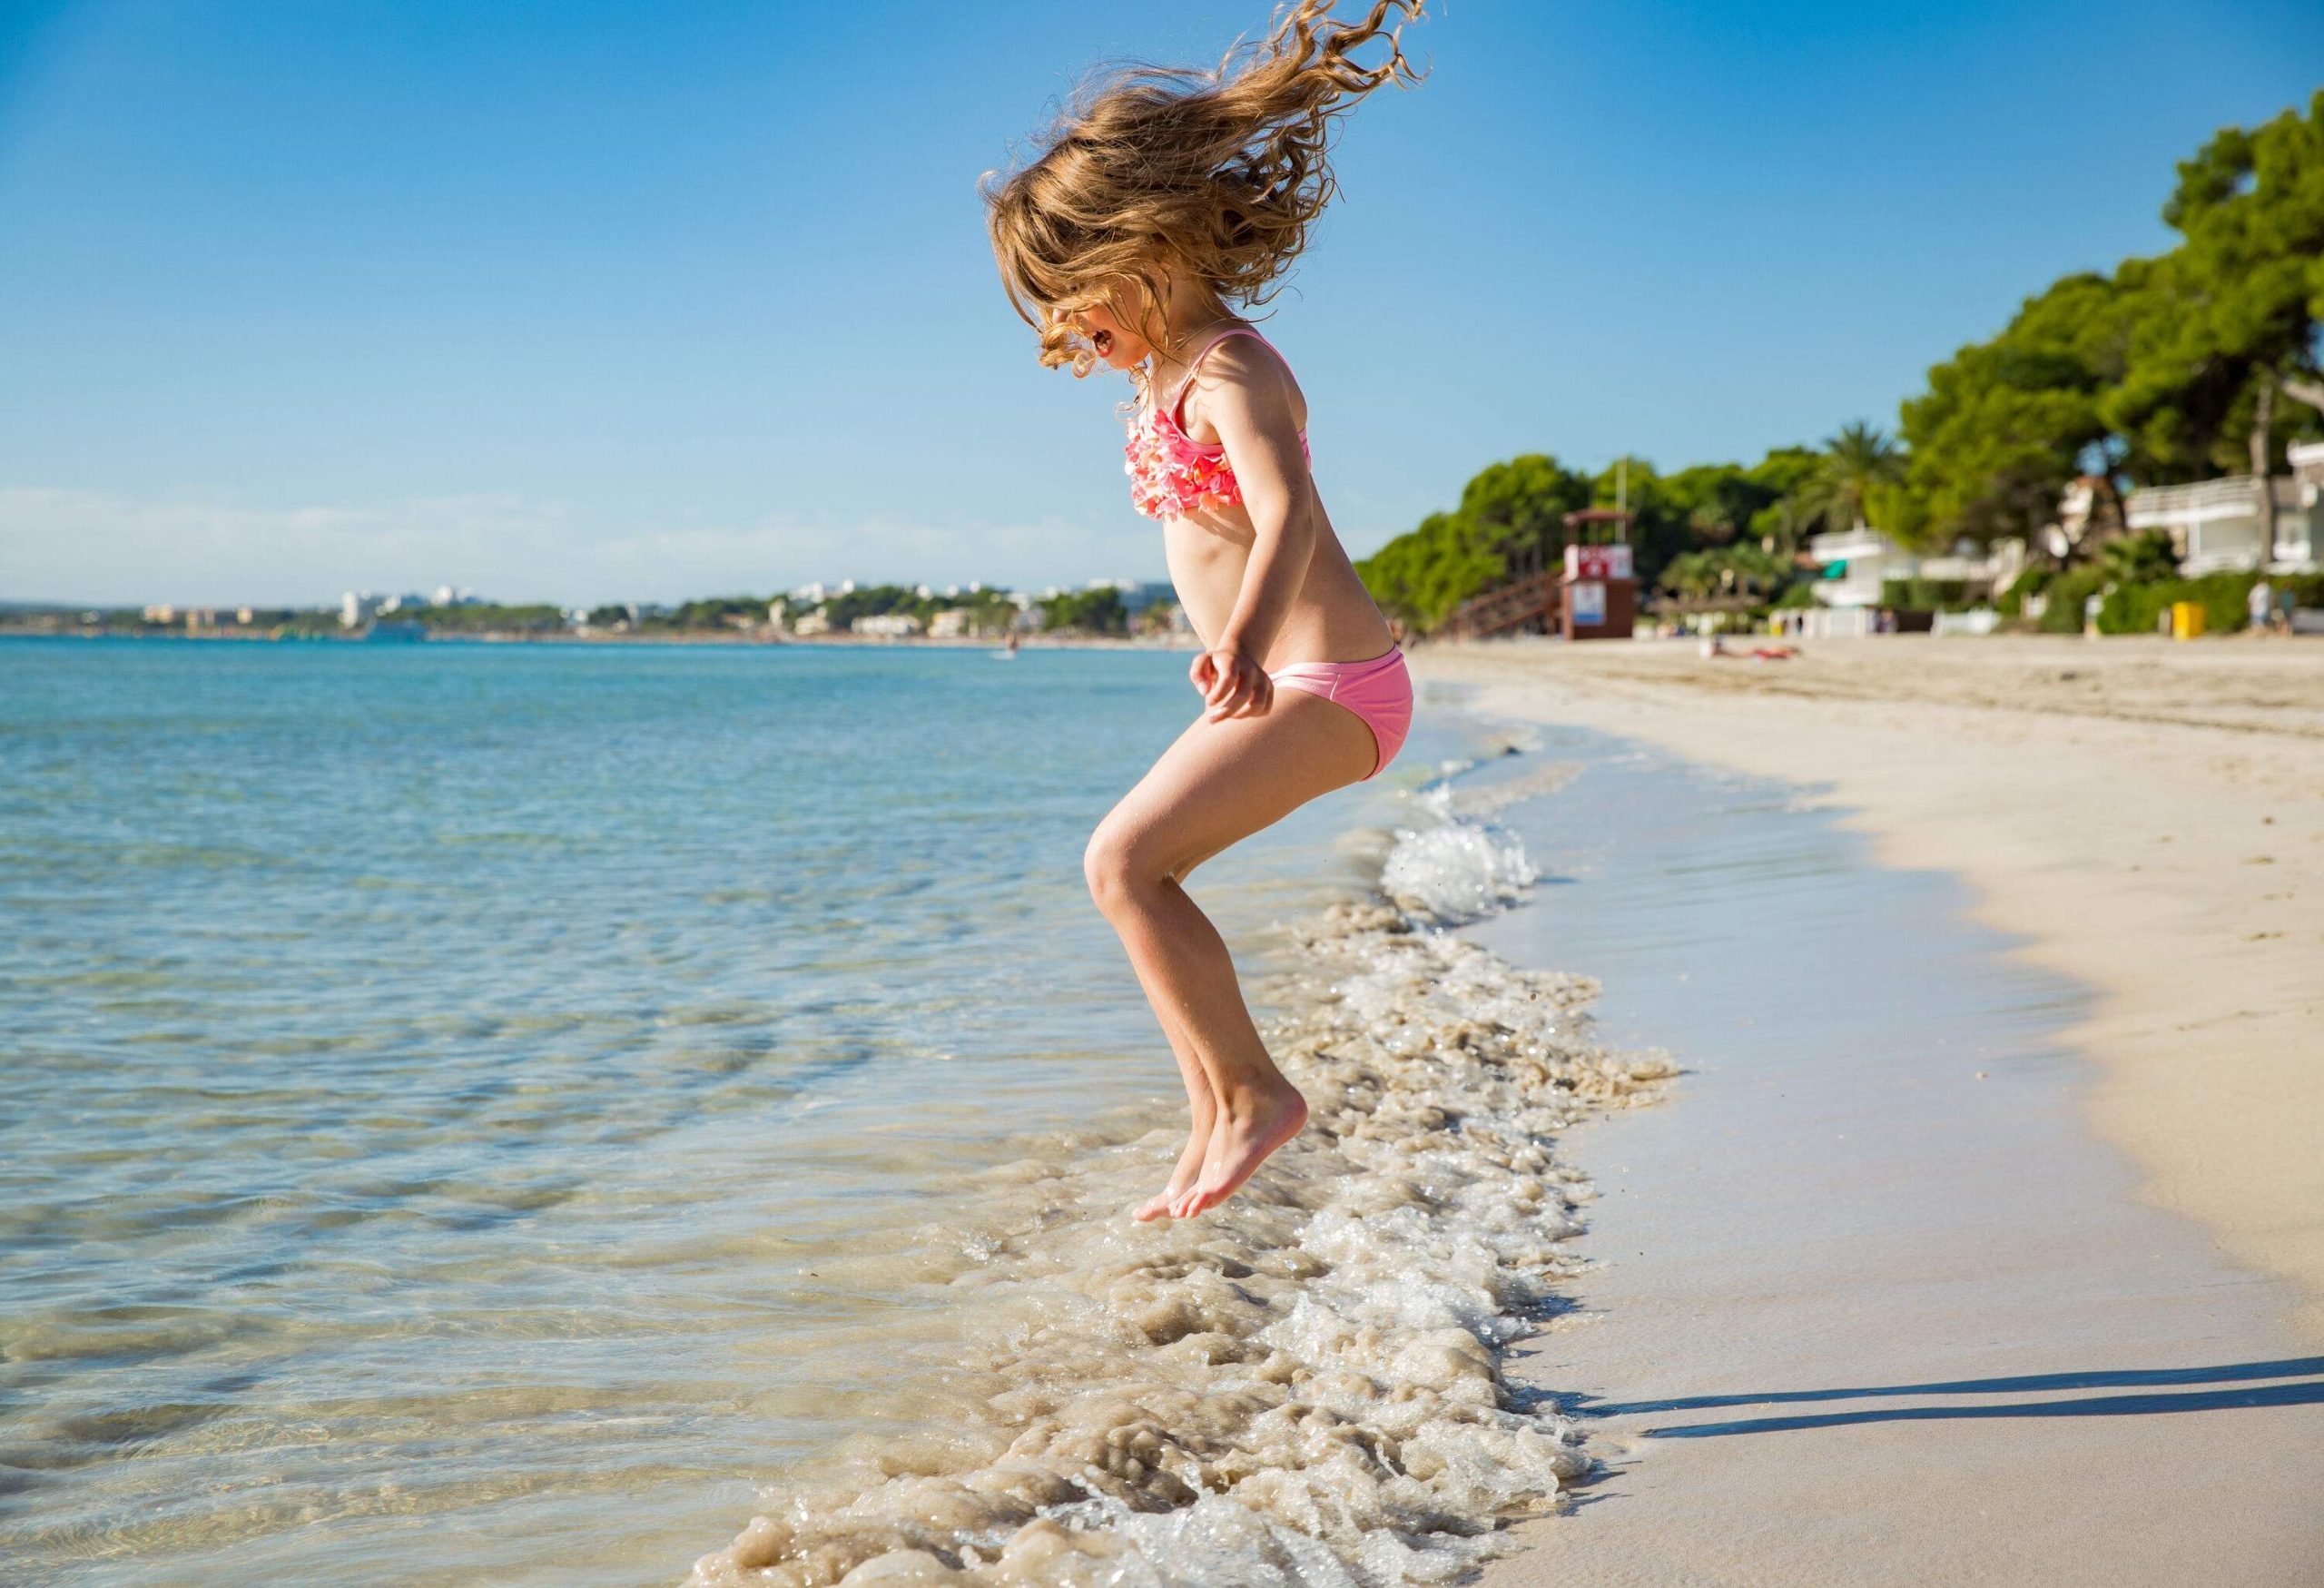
x,y
2147,818
1874,1303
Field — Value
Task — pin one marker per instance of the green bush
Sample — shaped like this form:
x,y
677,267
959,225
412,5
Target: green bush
x,y
536,618
2067,591
1097,611
2139,608
2144,558
2308,589
2011,603
1924,594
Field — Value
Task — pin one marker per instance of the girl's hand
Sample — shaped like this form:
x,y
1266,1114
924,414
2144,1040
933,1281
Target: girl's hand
x,y
1231,684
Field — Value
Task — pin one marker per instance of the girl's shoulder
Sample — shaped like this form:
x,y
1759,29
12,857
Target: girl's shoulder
x,y
1242,349
1240,361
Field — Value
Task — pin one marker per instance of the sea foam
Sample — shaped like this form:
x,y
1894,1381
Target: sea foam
x,y
1303,1388
1456,866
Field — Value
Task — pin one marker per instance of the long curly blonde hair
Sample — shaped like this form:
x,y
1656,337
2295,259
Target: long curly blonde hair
x,y
1215,174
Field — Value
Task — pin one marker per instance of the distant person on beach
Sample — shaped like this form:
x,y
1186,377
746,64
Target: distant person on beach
x,y
1161,207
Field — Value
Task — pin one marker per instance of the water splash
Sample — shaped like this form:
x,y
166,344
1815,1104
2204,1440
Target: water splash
x,y
1302,1389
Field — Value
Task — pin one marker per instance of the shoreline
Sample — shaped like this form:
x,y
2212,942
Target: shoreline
x,y
1867,1303
2146,820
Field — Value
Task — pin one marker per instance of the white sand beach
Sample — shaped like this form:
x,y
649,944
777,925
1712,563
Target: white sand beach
x,y
1893,1293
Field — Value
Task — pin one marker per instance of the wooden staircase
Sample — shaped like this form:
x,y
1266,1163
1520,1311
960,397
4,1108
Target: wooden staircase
x,y
1529,603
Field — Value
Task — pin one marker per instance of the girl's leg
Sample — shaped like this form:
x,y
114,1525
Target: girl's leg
x,y
1218,783
1202,1109
1202,1117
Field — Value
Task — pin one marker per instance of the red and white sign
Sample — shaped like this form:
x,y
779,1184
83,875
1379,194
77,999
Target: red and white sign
x,y
1597,562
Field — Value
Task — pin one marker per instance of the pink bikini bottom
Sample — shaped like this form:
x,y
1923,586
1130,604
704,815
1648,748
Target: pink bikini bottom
x,y
1379,690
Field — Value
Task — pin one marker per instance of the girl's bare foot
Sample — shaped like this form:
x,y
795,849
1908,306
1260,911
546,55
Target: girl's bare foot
x,y
1250,1127
1182,1178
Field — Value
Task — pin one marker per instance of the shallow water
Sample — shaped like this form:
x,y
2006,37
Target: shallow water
x,y
484,1111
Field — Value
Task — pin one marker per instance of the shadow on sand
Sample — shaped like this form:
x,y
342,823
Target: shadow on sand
x,y
2257,1383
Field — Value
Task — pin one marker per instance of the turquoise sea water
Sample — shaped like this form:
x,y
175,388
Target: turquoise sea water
x,y
437,1077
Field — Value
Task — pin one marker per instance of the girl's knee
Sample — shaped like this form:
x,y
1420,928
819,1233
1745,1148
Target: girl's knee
x,y
1116,868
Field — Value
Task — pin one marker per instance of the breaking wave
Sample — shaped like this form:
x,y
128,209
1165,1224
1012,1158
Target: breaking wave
x,y
1303,1388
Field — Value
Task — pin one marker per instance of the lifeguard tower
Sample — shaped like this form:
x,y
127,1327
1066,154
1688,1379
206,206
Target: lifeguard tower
x,y
1598,592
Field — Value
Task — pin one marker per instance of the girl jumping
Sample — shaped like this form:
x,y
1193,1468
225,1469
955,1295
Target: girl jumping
x,y
1162,205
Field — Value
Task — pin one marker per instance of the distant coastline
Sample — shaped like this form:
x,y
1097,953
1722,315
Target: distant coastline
x,y
238,636
847,612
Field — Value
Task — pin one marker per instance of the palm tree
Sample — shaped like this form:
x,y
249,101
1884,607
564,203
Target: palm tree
x,y
1734,571
1858,462
1783,541
1754,571
1691,575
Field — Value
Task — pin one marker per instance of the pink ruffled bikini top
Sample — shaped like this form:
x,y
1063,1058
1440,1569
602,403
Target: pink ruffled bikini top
x,y
1171,473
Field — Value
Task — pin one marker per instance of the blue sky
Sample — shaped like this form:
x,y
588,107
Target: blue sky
x,y
588,301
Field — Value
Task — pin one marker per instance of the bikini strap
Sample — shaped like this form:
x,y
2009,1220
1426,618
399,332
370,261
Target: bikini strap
x,y
1194,366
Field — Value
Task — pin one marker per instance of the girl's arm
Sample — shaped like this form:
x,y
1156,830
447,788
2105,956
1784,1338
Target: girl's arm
x,y
1247,400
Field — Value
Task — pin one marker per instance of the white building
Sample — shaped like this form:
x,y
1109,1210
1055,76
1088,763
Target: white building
x,y
356,609
950,623
1867,559
1864,557
2216,525
886,625
812,623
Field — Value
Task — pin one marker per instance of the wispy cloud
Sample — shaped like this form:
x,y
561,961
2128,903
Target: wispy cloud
x,y
60,543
